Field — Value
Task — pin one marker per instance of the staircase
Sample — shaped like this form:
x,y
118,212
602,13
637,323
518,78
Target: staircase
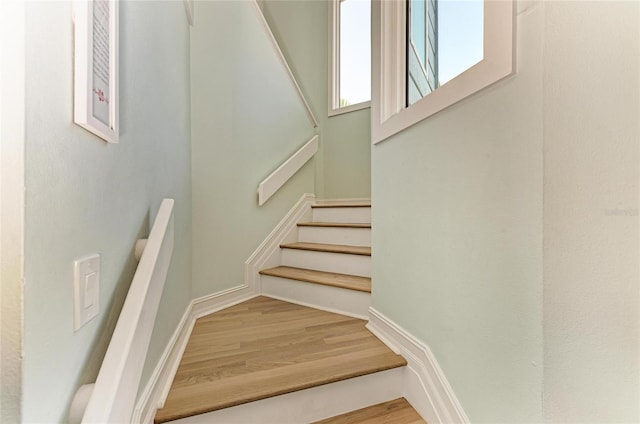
x,y
330,265
300,352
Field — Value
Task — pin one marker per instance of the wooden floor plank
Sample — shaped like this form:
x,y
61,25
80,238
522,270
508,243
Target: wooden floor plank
x,y
334,224
341,205
397,411
331,248
277,348
333,279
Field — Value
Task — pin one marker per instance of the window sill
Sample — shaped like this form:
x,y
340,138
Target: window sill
x,y
350,108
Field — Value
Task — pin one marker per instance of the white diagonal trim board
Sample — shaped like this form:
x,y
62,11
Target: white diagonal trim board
x,y
270,185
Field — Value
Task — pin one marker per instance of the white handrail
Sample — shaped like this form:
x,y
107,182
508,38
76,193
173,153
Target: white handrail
x,y
112,397
280,176
283,61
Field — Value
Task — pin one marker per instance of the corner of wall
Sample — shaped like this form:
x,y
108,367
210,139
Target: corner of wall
x,y
12,141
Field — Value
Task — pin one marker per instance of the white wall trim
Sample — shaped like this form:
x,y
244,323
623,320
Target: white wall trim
x,y
151,397
268,253
283,61
157,389
209,304
350,108
424,383
270,185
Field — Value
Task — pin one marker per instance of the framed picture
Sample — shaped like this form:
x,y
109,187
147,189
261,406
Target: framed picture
x,y
96,67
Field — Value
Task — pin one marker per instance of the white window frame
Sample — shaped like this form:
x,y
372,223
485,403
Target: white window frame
x,y
334,64
389,113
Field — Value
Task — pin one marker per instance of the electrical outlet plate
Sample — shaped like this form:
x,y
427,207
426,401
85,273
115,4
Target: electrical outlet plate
x,y
86,290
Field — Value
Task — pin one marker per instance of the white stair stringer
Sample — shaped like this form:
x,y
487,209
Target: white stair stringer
x,y
340,263
352,303
311,404
342,214
335,235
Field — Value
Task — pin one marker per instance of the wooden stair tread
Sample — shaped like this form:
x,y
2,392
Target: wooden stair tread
x,y
331,248
397,411
266,347
342,205
335,224
345,281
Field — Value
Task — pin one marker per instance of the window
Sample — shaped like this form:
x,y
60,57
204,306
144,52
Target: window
x,y
349,55
430,54
422,43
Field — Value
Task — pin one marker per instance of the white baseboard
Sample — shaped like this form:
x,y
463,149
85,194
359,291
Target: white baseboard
x,y
157,389
313,404
209,304
162,374
267,255
424,383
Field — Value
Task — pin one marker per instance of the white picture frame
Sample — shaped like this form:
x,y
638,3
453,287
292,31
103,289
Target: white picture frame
x,y
96,95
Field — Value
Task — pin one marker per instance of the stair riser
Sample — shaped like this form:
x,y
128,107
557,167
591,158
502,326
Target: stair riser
x,y
352,215
312,404
329,262
332,235
333,299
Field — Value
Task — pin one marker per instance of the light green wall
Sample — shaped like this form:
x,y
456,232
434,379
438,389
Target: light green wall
x,y
505,228
246,120
12,120
301,28
85,196
457,238
591,135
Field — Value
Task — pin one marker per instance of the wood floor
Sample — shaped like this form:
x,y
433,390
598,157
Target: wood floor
x,y
332,248
266,347
397,411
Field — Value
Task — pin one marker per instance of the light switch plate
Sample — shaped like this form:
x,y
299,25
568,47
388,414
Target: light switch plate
x,y
86,290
